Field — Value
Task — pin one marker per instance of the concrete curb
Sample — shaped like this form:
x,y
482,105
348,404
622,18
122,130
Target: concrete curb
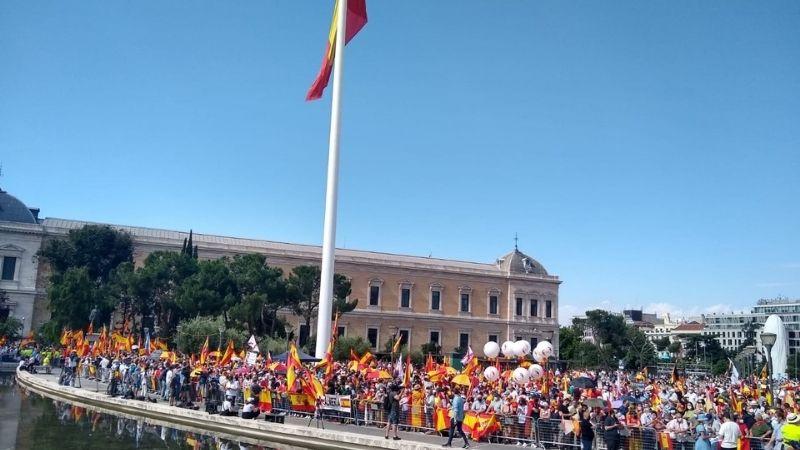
x,y
201,422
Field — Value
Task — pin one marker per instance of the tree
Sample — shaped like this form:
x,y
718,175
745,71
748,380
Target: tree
x,y
749,332
208,291
82,266
192,334
98,248
71,297
640,352
341,350
662,343
10,328
675,347
569,340
303,287
261,292
431,348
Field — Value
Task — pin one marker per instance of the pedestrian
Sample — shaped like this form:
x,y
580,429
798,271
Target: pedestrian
x,y
456,419
394,411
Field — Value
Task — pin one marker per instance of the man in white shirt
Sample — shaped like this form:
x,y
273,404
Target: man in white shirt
x,y
729,433
678,429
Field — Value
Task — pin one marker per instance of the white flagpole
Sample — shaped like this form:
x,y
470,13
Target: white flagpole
x,y
331,193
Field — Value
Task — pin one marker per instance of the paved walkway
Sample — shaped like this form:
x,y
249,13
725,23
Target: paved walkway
x,y
416,437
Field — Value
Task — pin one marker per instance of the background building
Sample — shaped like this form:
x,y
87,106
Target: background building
x,y
452,303
730,328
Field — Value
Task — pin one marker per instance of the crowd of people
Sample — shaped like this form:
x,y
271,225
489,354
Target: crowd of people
x,y
611,409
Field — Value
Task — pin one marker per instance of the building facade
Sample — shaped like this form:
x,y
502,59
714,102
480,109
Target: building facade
x,y
452,303
729,328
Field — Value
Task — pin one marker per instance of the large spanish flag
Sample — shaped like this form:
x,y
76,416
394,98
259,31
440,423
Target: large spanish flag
x,y
356,19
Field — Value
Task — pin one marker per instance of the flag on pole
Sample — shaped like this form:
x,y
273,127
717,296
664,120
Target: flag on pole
x,y
734,372
204,352
407,373
356,19
468,357
397,343
293,364
252,345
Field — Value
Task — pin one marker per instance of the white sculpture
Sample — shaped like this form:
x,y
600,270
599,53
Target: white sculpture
x,y
780,351
491,349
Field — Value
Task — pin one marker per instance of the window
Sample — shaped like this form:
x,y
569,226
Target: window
x,y
374,295
9,267
340,331
494,338
519,306
436,300
534,307
463,340
534,341
303,338
464,302
492,304
548,309
405,298
372,337
434,337
405,335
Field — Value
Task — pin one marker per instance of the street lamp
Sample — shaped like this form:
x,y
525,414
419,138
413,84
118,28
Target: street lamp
x,y
768,339
221,330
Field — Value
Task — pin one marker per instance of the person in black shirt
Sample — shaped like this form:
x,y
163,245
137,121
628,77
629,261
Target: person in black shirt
x,y
611,428
587,432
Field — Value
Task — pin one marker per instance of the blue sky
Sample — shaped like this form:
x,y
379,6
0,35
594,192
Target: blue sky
x,y
646,152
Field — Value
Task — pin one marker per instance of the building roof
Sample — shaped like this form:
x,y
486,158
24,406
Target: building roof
x,y
517,262
13,210
688,327
235,244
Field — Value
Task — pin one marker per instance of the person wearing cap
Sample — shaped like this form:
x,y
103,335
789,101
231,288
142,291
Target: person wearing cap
x,y
703,441
791,431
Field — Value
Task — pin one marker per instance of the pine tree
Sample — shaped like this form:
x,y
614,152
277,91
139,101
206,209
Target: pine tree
x,y
195,252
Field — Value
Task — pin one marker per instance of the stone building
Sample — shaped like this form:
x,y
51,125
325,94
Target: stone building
x,y
452,303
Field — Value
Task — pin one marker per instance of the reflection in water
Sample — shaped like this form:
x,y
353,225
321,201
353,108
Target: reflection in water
x,y
43,423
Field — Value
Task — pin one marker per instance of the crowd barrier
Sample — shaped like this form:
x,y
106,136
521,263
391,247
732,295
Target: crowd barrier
x,y
550,434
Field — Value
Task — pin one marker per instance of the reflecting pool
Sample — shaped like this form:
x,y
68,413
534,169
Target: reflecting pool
x,y
30,421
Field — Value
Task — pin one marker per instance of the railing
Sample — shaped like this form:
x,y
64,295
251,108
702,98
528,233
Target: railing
x,y
550,434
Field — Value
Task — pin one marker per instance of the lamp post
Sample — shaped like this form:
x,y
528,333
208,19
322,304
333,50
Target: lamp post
x,y
768,339
221,330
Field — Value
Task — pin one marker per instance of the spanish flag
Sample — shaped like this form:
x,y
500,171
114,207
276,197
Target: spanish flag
x,y
293,364
356,19
204,352
397,343
226,357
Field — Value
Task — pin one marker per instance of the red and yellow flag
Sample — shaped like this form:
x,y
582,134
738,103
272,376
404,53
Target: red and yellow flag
x,y
204,352
227,356
356,19
293,364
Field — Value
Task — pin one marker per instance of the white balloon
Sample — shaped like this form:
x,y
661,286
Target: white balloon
x,y
523,347
519,348
535,371
546,348
491,373
520,375
508,349
491,349
537,354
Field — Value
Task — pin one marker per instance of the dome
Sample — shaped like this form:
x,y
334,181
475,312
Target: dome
x,y
518,262
13,210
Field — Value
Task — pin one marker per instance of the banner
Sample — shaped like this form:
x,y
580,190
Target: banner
x,y
251,358
339,403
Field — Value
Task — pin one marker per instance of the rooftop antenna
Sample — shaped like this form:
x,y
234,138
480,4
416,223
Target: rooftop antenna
x,y
516,241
